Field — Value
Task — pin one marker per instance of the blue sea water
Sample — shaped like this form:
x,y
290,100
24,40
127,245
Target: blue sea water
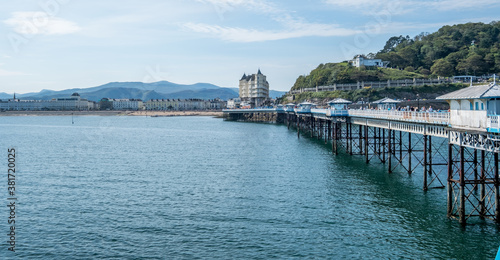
x,y
201,188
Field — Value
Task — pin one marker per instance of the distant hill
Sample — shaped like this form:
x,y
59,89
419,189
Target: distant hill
x,y
272,93
140,90
223,93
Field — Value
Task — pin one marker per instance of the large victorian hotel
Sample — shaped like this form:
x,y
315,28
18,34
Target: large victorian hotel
x,y
254,89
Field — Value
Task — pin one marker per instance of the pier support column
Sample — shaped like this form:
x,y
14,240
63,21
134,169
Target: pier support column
x,y
476,173
450,181
461,210
334,138
312,125
497,195
328,132
389,155
298,126
482,187
367,159
425,162
383,145
409,153
360,139
349,138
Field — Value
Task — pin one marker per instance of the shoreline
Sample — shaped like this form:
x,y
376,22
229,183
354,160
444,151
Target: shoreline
x,y
113,113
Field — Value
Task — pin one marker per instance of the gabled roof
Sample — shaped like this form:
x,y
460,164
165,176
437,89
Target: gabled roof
x,y
244,76
306,104
474,92
339,101
386,100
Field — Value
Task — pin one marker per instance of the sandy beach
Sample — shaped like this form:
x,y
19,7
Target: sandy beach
x,y
112,113
174,113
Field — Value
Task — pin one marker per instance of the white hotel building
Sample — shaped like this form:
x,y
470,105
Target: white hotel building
x,y
127,104
254,89
75,102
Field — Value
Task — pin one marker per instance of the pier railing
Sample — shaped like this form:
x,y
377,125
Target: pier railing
x,y
493,123
442,118
372,84
430,117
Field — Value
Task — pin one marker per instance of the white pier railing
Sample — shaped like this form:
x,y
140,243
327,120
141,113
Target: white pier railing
x,y
493,123
431,117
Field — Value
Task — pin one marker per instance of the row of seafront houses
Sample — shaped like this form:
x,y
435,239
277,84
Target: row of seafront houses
x,y
76,103
474,107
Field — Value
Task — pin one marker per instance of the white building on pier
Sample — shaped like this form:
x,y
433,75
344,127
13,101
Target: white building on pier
x,y
475,107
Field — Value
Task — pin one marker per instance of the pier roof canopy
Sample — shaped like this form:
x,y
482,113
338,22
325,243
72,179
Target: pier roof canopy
x,y
307,104
339,101
474,92
386,100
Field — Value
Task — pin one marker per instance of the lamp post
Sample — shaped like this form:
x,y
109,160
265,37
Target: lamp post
x,y
418,102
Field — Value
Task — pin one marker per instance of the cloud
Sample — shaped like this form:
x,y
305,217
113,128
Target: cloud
x,y
446,5
33,23
292,27
11,73
259,5
236,34
405,6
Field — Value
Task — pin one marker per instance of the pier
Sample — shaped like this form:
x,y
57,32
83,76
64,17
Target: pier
x,y
457,150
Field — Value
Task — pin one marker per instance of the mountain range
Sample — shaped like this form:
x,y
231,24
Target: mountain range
x,y
140,90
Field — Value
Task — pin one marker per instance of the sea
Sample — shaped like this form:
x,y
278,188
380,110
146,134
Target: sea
x,y
124,187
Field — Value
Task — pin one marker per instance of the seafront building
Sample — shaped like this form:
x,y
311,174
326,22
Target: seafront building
x,y
184,104
74,102
233,103
126,104
254,89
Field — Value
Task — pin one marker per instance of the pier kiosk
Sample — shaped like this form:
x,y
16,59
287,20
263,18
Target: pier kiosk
x,y
304,108
386,104
289,107
338,107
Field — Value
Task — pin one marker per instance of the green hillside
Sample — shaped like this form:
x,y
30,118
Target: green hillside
x,y
330,73
372,94
471,48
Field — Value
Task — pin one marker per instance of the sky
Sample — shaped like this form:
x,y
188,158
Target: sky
x,y
62,44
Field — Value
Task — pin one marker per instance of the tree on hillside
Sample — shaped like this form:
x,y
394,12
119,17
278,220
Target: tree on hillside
x,y
458,44
443,68
393,42
473,64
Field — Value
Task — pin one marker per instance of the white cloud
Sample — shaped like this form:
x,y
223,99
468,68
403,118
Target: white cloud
x,y
446,5
405,6
10,73
292,27
33,23
251,4
235,34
